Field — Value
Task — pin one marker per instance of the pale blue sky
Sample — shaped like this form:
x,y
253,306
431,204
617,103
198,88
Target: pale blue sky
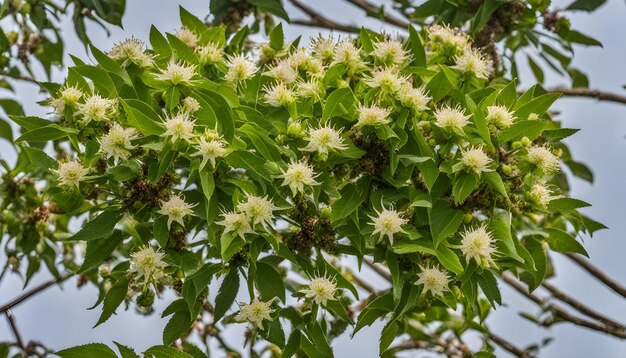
x,y
60,319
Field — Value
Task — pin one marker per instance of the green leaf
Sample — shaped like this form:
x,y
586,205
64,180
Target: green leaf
x,y
352,196
317,336
537,71
253,164
530,129
126,352
88,350
143,117
45,134
580,38
489,285
226,295
340,103
561,241
501,227
585,5
463,185
494,180
160,231
293,344
449,259
177,326
39,158
159,43
444,221
565,204
277,38
165,352
439,86
417,48
101,226
274,7
114,297
98,250
269,282
5,130
387,336
537,105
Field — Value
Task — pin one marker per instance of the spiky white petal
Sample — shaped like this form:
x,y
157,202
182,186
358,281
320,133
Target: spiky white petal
x,y
415,98
312,88
210,150
117,142
473,61
131,51
476,160
260,210
177,73
279,95
387,222
97,108
239,223
179,127
348,54
188,37
71,173
541,194
372,116
210,53
542,157
321,290
387,79
433,280
500,116
297,175
448,40
176,209
390,52
323,139
255,312
148,264
323,47
239,69
282,72
69,96
477,244
448,117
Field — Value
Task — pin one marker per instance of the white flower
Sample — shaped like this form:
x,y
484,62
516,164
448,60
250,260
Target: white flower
x,y
69,96
147,263
541,194
499,116
71,173
179,127
324,138
282,72
131,51
298,175
372,116
210,53
191,105
390,52
543,158
448,117
238,223
279,95
97,108
321,289
310,89
477,244
239,69
302,60
177,73
387,222
188,37
258,209
210,150
323,47
476,160
414,98
348,54
117,143
387,79
175,209
473,61
434,280
448,40
256,312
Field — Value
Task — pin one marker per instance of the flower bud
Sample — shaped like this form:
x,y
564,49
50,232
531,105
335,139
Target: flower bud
x,y
525,141
146,299
533,117
432,142
425,126
507,170
516,145
12,37
468,217
325,213
104,270
294,129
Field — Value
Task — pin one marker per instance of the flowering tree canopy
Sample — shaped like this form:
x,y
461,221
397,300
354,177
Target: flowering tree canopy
x,y
279,170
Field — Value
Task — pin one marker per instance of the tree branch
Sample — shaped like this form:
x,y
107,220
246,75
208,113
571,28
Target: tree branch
x,y
572,302
594,271
317,20
13,326
508,346
560,312
26,295
589,93
374,11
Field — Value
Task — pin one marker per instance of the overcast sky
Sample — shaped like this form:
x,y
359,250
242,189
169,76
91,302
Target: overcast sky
x,y
59,318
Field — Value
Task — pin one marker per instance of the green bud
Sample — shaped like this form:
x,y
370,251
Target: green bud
x,y
456,291
526,142
325,213
484,263
294,129
516,145
12,36
146,299
468,217
507,170
432,142
425,126
104,270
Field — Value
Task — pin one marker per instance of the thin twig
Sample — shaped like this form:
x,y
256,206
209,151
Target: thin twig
x,y
508,346
378,269
16,332
560,312
590,93
4,270
26,295
317,20
360,282
374,11
594,271
582,308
